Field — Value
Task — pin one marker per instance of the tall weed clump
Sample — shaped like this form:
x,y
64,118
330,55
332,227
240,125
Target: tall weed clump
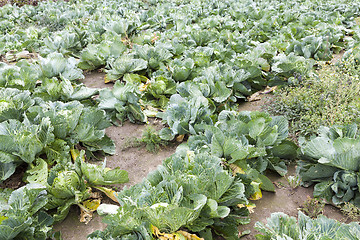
x,y
330,98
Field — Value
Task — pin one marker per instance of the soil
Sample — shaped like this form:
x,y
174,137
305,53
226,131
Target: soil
x,y
96,79
337,57
15,180
256,105
138,162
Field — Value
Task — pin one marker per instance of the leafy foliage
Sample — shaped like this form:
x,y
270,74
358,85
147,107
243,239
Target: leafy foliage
x,y
331,98
185,61
123,65
22,215
56,65
282,226
152,140
182,119
247,139
123,102
70,184
95,56
332,163
192,190
178,194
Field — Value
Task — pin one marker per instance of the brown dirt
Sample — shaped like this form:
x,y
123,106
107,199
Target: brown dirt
x,y
337,57
15,180
136,160
256,105
96,79
72,229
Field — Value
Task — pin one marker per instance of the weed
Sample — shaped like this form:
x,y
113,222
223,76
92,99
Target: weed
x,y
313,207
294,181
331,98
131,142
280,185
152,140
350,210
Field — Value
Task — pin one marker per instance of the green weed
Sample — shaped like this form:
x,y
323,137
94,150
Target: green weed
x,y
331,98
294,181
313,207
150,139
350,210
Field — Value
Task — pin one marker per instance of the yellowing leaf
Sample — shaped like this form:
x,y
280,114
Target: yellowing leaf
x,y
87,208
266,68
357,20
236,169
155,38
154,230
109,192
92,204
143,87
2,218
258,194
257,96
179,235
180,138
189,235
249,206
269,90
85,216
74,153
107,80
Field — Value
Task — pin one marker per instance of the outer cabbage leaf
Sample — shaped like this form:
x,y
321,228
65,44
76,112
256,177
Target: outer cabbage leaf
x,y
287,65
153,55
95,56
13,103
170,217
6,170
23,75
24,140
188,190
64,116
56,65
124,64
181,70
282,226
65,42
91,125
182,119
341,152
124,98
100,175
334,163
23,217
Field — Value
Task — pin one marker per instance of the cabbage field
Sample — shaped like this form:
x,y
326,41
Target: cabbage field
x,y
183,66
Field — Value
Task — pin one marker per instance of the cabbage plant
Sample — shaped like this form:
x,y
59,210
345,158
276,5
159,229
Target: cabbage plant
x,y
331,161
